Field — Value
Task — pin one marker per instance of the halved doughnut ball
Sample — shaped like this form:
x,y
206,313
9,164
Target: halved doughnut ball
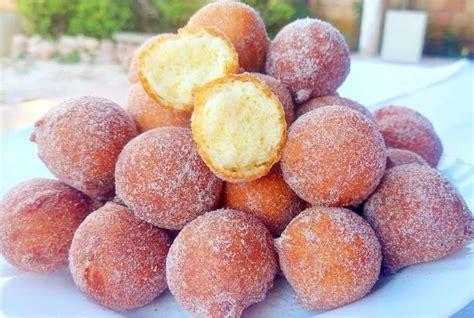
x,y
330,256
332,100
268,198
310,56
405,128
119,260
398,157
418,216
242,25
334,156
239,127
148,114
38,218
172,68
160,176
221,263
281,91
80,140
133,69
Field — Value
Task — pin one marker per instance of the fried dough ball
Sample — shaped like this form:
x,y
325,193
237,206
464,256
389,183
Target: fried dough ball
x,y
398,157
38,218
118,260
330,256
133,69
332,100
79,141
172,68
310,56
407,129
221,263
162,179
147,114
239,127
334,156
281,91
268,198
418,216
242,25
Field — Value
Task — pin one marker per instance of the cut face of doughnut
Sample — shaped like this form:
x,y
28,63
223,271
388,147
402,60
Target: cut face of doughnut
x,y
174,67
239,127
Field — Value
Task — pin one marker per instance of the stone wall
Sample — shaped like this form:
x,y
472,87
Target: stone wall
x,y
450,28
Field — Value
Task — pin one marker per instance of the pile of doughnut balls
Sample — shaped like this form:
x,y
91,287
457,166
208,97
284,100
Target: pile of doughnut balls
x,y
236,158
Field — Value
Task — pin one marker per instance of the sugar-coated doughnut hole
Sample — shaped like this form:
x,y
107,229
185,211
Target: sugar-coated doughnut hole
x,y
281,91
221,263
133,69
330,256
38,218
118,260
268,198
161,177
334,156
405,128
79,141
148,114
310,56
242,25
418,216
398,157
332,100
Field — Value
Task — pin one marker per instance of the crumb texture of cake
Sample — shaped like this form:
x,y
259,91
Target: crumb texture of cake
x,y
239,127
173,68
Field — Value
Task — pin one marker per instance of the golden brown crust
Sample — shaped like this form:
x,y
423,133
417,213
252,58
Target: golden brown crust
x,y
242,25
232,66
199,101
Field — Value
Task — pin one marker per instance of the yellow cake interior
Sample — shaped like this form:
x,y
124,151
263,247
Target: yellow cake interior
x,y
239,127
177,66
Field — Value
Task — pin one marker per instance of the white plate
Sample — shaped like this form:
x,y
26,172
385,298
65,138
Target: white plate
x,y
434,289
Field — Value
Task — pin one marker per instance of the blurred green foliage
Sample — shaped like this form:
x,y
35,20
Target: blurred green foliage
x,y
101,18
275,13
96,18
48,18
174,14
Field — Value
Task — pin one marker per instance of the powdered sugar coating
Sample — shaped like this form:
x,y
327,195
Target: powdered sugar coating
x,y
118,260
133,69
334,156
79,141
310,56
405,128
147,114
268,198
418,216
38,218
330,256
281,91
398,157
242,25
331,100
163,180
221,263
